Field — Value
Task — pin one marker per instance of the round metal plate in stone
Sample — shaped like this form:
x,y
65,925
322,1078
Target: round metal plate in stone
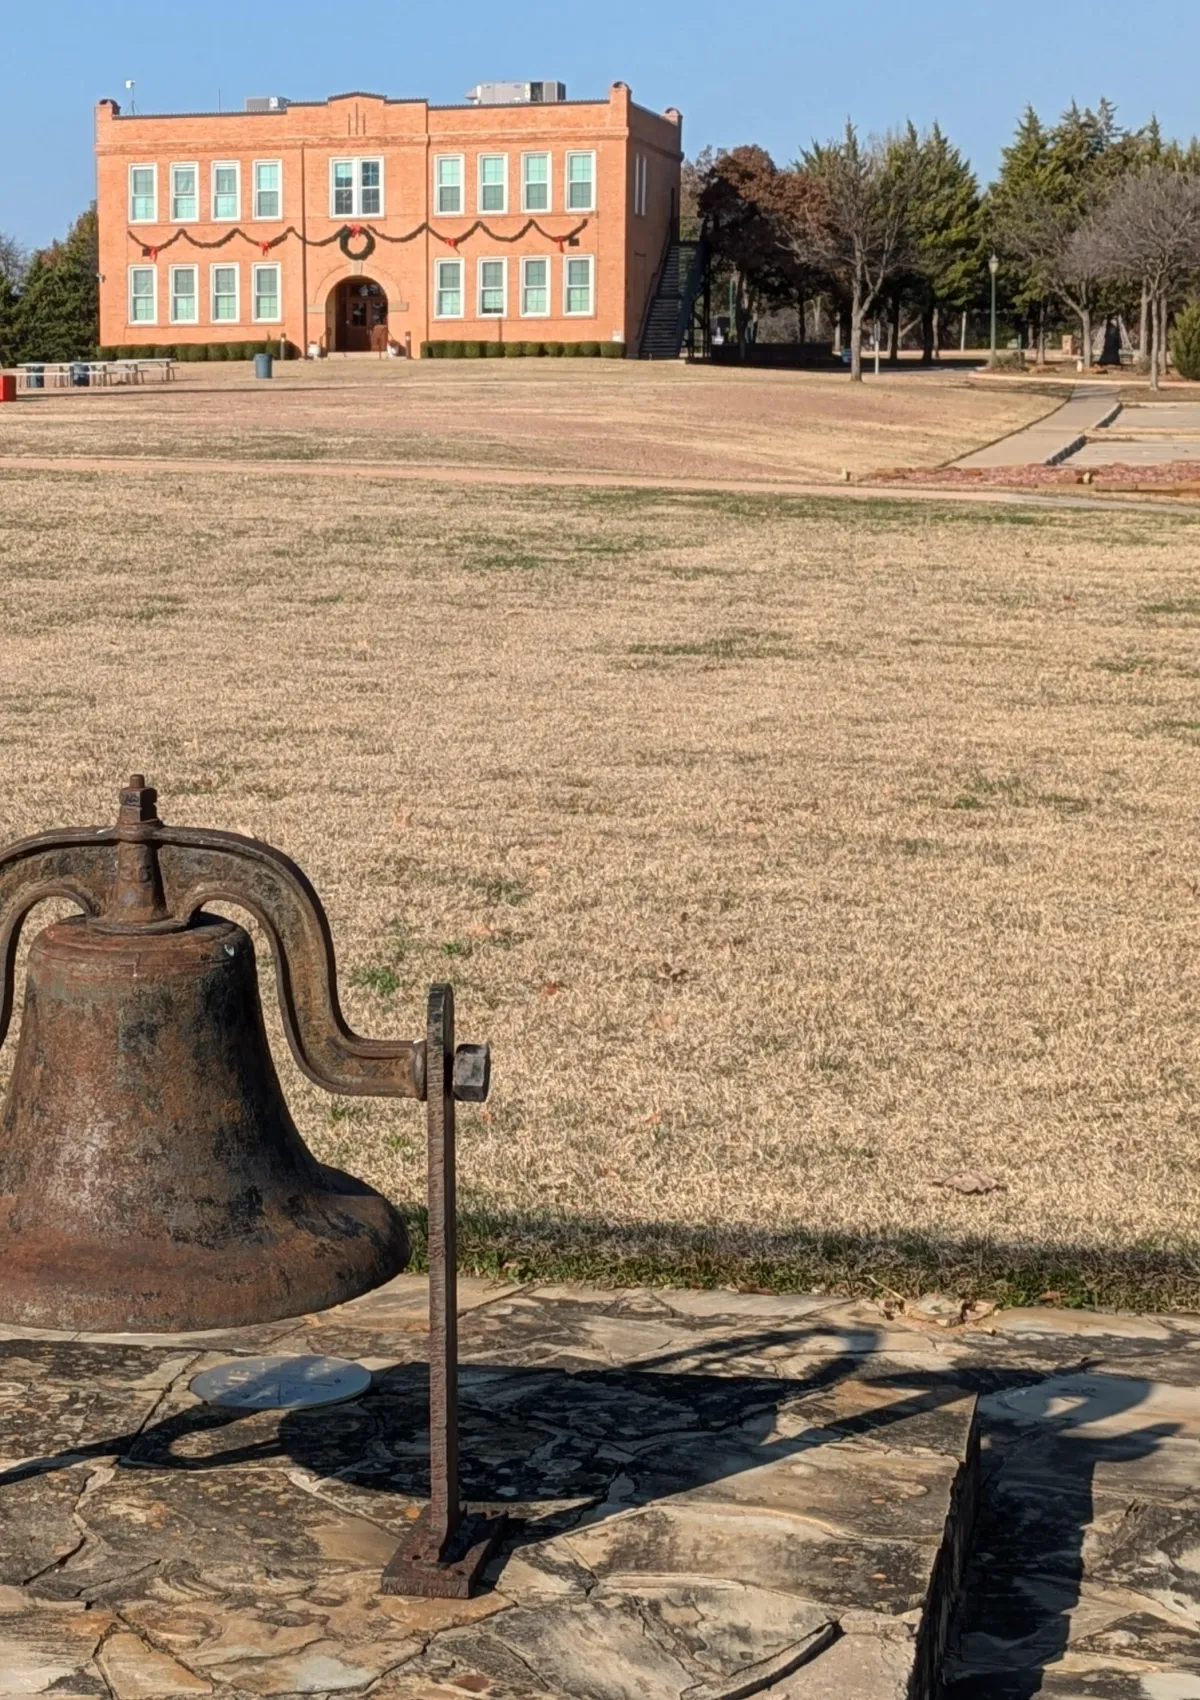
x,y
281,1384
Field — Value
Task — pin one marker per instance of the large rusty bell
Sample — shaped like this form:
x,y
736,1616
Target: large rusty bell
x,y
151,1177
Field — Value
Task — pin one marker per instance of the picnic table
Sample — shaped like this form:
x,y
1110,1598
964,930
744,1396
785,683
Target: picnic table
x,y
69,374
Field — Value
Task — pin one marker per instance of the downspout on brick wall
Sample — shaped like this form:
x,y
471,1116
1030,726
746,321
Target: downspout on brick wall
x,y
304,336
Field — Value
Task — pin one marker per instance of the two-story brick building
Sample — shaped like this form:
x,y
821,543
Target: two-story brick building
x,y
346,221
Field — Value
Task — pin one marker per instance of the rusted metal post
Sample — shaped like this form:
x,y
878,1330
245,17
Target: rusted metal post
x,y
448,1546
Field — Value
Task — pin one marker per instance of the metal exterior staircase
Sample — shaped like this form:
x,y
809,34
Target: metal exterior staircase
x,y
669,314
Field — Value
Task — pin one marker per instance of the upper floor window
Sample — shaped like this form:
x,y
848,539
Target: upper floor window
x,y
268,188
185,193
356,188
535,182
493,183
143,194
226,190
448,170
581,182
640,177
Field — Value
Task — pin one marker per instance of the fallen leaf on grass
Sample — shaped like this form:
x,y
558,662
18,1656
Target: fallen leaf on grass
x,y
970,1181
550,987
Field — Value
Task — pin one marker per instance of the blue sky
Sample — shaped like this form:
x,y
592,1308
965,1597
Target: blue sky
x,y
770,71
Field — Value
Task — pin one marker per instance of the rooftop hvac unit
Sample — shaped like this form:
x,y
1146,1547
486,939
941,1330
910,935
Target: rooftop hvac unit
x,y
516,94
266,103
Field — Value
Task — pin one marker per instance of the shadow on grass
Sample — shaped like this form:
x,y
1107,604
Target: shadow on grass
x,y
566,1248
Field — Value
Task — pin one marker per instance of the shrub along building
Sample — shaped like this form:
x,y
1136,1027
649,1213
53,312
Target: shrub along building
x,y
360,221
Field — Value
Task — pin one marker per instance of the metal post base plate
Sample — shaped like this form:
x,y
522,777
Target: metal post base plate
x,y
452,1575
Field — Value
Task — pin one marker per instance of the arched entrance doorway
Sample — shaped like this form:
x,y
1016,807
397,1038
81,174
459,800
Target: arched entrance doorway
x,y
359,317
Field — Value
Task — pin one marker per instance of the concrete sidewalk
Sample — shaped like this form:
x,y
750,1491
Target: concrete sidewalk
x,y
1055,438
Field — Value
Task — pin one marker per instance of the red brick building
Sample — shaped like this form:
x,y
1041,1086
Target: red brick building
x,y
359,218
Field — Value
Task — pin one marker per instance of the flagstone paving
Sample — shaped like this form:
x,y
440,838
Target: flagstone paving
x,y
716,1494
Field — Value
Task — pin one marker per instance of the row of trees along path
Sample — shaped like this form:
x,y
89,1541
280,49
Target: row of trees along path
x,y
1088,220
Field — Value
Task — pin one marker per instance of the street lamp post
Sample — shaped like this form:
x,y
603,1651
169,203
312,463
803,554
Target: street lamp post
x,y
994,267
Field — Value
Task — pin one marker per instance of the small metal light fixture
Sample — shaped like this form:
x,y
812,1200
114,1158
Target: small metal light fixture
x,y
994,267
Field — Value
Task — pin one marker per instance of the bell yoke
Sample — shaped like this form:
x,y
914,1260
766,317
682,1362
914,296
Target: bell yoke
x,y
151,1177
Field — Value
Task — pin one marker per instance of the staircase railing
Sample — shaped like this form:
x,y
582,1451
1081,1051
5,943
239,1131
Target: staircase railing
x,y
652,295
693,283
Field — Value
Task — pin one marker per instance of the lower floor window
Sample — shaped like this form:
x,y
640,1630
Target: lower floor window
x,y
535,288
224,294
448,289
579,286
266,293
142,295
492,289
183,295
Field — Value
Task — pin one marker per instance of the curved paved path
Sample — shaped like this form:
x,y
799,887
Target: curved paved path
x,y
1055,438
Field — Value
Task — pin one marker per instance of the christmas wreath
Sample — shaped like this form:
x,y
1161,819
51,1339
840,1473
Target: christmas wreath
x,y
347,236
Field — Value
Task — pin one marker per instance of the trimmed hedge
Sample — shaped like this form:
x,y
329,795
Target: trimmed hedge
x,y
189,352
455,349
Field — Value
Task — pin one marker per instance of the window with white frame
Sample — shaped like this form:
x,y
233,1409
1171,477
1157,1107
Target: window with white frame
x,y
268,188
535,288
493,182
448,289
356,188
578,286
143,194
143,295
185,193
226,190
266,294
535,182
183,295
581,182
640,176
224,295
448,175
493,289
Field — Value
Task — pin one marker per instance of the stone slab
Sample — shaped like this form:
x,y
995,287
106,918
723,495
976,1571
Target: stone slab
x,y
704,1490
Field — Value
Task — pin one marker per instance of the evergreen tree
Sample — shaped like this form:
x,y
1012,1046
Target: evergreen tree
x,y
1051,183
56,318
944,252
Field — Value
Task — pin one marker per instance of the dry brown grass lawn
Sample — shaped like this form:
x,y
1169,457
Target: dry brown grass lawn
x,y
793,855
537,415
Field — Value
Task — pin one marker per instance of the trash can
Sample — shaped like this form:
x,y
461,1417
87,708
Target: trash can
x,y
264,366
8,386
35,377
81,377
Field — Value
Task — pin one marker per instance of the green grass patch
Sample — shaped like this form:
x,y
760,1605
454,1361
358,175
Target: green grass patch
x,y
1145,1278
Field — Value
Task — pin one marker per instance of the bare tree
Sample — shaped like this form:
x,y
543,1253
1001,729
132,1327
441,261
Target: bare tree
x,y
1046,238
850,216
1147,233
14,260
